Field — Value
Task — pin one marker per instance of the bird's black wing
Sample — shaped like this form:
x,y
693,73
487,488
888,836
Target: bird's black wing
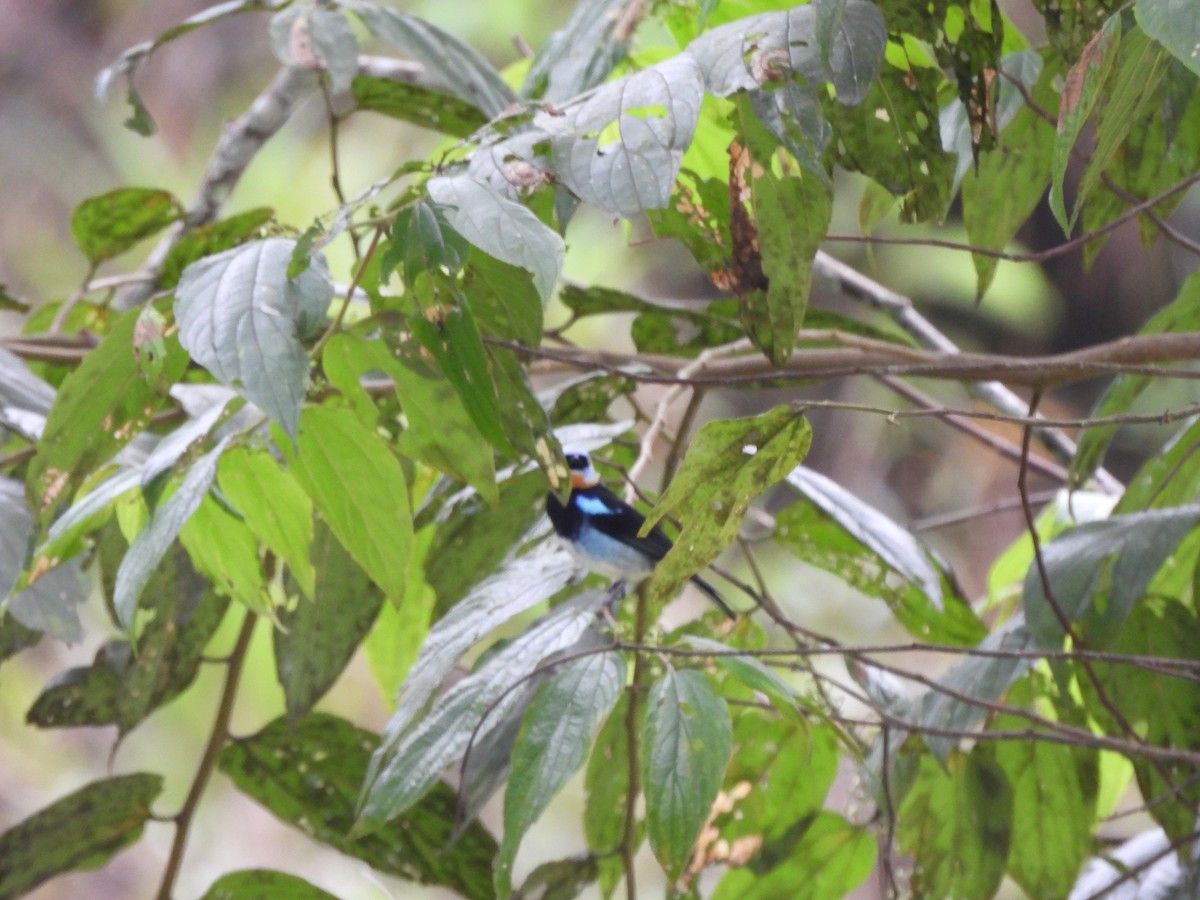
x,y
622,522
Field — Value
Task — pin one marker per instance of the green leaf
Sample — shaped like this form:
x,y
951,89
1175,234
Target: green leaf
x,y
851,539
958,824
179,615
1162,707
560,879
241,318
274,507
317,636
893,138
15,637
503,300
100,407
224,550
263,884
1183,314
582,53
1086,83
728,464
50,603
109,224
750,672
308,772
358,487
606,786
81,831
209,240
460,67
420,105
1176,25
1099,570
312,37
496,225
410,761
553,743
822,857
454,341
152,543
1005,184
1047,851
439,432
395,639
422,241
686,747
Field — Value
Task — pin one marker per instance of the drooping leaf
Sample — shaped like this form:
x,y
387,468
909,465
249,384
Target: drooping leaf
x,y
503,300
1099,570
264,884
148,549
418,104
358,487
109,224
405,767
583,52
957,822
1175,24
560,879
606,786
313,37
81,831
320,633
460,67
242,318
273,506
553,743
750,672
422,241
100,407
686,747
50,603
495,224
225,552
728,464
307,773
176,444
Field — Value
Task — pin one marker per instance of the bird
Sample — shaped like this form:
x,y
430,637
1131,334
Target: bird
x,y
601,531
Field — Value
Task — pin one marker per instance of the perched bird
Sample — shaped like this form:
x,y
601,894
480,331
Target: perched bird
x,y
601,531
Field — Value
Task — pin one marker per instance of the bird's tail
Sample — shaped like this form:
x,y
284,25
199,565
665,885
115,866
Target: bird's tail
x,y
714,596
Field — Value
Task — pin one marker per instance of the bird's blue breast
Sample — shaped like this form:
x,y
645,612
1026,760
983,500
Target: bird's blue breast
x,y
609,556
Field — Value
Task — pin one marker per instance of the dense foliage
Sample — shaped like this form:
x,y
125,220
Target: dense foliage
x,y
358,457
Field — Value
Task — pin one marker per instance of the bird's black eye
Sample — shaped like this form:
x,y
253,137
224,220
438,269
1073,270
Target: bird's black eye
x,y
577,462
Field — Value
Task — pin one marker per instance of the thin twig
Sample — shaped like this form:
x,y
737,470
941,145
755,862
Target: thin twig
x,y
216,740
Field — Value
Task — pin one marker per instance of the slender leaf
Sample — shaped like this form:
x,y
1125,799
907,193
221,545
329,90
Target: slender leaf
x,y
750,672
308,772
553,743
149,547
100,407
109,224
242,318
318,635
687,744
728,464
358,487
410,764
606,786
274,507
81,831
420,105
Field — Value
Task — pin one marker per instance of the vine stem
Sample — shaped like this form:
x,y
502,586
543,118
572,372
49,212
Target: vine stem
x,y
216,741
629,839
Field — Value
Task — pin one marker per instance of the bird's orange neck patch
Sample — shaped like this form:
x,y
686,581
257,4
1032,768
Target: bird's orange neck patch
x,y
583,480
